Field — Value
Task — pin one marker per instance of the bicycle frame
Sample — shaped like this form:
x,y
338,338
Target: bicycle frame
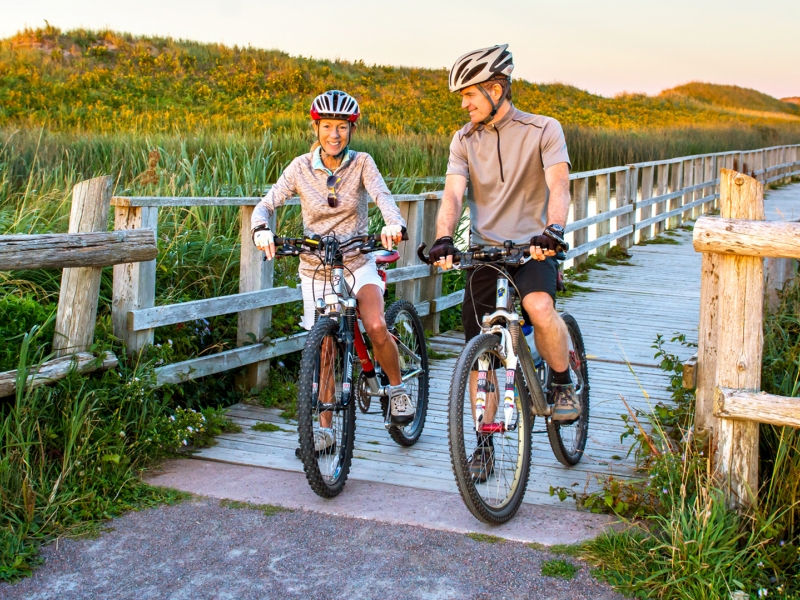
x,y
505,322
339,304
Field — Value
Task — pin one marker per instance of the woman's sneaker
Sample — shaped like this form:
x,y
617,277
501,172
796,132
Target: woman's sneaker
x,y
400,406
481,463
566,405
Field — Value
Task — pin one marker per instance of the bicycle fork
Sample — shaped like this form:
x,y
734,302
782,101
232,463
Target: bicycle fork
x,y
509,397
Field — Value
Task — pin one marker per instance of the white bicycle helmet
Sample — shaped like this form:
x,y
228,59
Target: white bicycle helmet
x,y
481,65
335,104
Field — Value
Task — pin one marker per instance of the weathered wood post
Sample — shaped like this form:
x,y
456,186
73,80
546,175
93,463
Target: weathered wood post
x,y
709,177
688,181
134,283
624,181
255,274
80,287
676,183
662,189
414,213
431,286
647,193
698,179
603,205
739,342
580,200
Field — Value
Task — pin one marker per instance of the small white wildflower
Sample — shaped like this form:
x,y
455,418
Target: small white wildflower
x,y
664,490
169,342
190,430
184,442
81,473
762,592
760,564
172,417
121,434
782,542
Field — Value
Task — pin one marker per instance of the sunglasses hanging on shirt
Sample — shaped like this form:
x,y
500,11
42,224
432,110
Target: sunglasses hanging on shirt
x,y
333,199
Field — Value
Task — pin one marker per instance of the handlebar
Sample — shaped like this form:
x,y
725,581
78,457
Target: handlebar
x,y
491,253
295,246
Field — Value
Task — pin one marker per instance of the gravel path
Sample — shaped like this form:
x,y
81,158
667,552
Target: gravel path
x,y
200,549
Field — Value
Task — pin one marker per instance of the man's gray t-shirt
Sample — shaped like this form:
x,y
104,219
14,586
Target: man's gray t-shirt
x,y
504,162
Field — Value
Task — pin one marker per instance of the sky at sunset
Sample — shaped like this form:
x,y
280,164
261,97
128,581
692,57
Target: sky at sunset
x,y
604,46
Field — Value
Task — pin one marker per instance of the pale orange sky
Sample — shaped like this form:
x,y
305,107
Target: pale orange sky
x,y
605,46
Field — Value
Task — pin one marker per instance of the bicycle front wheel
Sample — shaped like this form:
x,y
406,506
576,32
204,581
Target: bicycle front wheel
x,y
325,426
491,458
569,441
405,325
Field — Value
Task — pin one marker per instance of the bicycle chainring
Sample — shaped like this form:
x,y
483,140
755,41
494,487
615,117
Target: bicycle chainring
x,y
362,393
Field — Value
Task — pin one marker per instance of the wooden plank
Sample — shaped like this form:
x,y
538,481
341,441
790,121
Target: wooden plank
x,y
414,215
56,369
600,218
758,407
740,339
64,250
158,316
619,233
646,231
230,359
408,273
443,302
80,286
430,287
747,238
580,204
134,283
627,196
158,201
676,211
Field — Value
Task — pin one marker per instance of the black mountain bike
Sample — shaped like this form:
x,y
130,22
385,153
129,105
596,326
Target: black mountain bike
x,y
337,371
497,390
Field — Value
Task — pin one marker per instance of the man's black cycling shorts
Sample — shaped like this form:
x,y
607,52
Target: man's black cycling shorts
x,y
481,287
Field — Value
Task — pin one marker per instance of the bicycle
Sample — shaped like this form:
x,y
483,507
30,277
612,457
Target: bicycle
x,y
327,389
492,480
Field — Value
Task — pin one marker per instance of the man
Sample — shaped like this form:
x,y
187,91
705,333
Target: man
x,y
517,168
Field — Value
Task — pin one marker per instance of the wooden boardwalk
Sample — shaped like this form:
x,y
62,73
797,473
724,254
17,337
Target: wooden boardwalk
x,y
630,305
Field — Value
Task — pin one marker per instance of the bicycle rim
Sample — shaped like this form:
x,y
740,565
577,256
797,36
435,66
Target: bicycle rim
x,y
403,322
326,428
569,441
492,481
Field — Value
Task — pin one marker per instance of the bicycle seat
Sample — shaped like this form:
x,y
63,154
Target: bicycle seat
x,y
386,257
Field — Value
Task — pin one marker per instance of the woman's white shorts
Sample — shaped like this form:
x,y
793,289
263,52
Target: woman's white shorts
x,y
313,289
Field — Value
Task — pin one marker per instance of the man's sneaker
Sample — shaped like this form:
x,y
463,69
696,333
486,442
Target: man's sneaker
x,y
481,463
566,405
400,407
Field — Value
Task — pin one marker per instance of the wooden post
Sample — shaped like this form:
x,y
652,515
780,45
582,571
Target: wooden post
x,y
430,287
603,205
676,183
709,176
580,199
688,181
134,283
740,339
647,192
626,180
662,187
255,274
698,178
707,343
414,213
80,287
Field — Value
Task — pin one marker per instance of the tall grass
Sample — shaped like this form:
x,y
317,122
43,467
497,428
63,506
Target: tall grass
x,y
691,545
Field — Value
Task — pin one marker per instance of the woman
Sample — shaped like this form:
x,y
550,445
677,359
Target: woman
x,y
333,183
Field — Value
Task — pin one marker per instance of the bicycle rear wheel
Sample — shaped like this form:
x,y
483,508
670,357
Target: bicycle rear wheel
x,y
491,471
326,452
569,441
404,323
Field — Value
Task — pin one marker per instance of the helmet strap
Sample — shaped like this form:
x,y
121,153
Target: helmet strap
x,y
495,107
346,146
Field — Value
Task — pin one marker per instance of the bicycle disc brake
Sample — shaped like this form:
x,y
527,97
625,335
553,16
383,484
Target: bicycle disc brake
x,y
362,393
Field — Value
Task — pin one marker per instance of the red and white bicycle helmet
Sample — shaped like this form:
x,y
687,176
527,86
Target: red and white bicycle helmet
x,y
335,104
481,65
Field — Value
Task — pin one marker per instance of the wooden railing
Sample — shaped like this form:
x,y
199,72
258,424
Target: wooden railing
x,y
630,202
81,253
729,403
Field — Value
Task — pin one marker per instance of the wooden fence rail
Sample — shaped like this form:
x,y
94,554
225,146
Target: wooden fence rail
x,y
610,206
729,404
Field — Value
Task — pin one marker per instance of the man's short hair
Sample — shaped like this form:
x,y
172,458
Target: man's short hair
x,y
503,81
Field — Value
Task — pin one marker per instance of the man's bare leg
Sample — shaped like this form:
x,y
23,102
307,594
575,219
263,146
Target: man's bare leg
x,y
549,330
